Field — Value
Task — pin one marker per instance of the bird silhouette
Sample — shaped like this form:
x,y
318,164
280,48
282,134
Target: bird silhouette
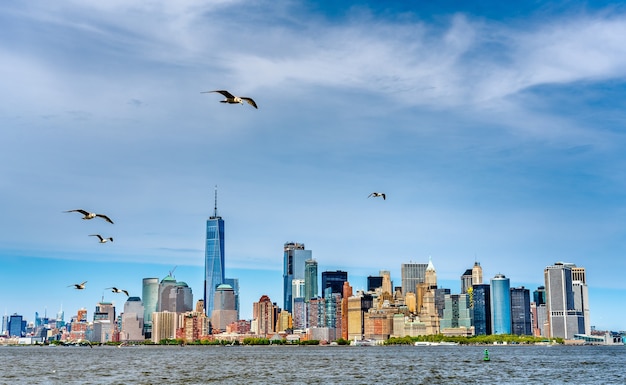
x,y
232,99
116,290
87,215
102,240
377,194
79,286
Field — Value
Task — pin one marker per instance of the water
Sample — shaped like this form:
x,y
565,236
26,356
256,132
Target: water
x,y
313,365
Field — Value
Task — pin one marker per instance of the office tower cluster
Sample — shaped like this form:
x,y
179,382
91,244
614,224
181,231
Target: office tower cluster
x,y
418,306
324,306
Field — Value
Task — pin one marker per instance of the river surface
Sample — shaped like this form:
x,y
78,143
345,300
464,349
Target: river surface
x,y
313,365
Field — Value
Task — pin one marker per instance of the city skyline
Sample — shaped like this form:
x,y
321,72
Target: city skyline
x,y
494,288
494,130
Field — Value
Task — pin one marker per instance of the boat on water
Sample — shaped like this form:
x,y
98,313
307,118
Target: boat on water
x,y
427,343
363,343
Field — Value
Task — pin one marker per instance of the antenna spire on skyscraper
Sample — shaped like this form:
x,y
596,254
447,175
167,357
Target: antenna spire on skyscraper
x,y
215,207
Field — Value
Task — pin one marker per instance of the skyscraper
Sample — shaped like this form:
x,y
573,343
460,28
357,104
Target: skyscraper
x,y
5,324
164,293
265,315
213,257
299,314
164,325
481,300
477,274
224,312
294,259
466,280
440,297
412,274
387,283
374,282
60,318
174,296
564,318
357,307
15,325
103,322
334,280
457,313
500,305
297,290
539,295
132,320
150,295
310,280
104,311
426,298
234,283
581,295
520,311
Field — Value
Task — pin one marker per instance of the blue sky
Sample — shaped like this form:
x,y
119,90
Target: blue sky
x,y
496,131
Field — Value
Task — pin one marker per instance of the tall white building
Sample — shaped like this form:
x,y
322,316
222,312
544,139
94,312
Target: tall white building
x,y
132,320
565,309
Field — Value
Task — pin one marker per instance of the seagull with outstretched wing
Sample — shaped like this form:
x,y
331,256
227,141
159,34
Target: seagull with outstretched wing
x,y
377,194
116,290
87,215
232,99
79,286
102,240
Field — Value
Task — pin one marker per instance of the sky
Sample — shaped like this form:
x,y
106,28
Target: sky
x,y
496,131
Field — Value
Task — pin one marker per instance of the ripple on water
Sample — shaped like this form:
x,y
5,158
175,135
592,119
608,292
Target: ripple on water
x,y
313,365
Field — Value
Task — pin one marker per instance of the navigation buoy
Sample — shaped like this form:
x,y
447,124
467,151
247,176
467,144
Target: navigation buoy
x,y
486,357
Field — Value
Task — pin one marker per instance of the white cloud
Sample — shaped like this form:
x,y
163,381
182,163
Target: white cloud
x,y
451,119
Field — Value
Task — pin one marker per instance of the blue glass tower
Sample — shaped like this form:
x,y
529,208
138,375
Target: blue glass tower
x,y
294,259
213,258
481,296
500,305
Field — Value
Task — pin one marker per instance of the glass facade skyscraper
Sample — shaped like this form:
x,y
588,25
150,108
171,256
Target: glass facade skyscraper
x,y
334,280
15,326
412,274
520,311
294,260
539,295
150,295
440,300
213,258
500,305
374,282
310,280
457,312
481,299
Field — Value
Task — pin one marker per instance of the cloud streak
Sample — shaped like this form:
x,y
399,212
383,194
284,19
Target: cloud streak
x,y
500,140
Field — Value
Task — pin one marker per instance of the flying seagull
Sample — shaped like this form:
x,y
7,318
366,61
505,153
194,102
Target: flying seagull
x,y
377,194
232,99
79,286
116,290
102,240
88,215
